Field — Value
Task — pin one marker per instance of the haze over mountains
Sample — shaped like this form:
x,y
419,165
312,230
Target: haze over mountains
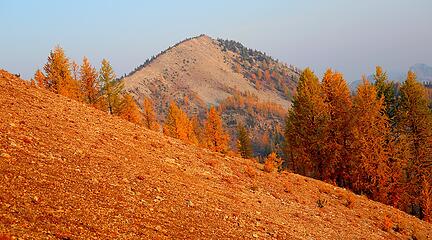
x,y
423,72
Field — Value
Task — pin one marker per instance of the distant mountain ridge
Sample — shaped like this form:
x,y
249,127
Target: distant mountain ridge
x,y
423,72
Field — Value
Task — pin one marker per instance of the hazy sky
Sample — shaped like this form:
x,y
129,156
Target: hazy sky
x,y
348,35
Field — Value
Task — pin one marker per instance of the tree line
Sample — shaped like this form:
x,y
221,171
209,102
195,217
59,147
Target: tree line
x,y
377,142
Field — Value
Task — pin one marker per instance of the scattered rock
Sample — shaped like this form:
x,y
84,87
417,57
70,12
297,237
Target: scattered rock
x,y
189,203
5,155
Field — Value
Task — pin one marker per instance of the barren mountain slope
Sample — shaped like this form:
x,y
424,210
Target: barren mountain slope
x,y
68,171
196,67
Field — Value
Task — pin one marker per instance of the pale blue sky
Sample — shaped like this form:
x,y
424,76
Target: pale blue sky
x,y
349,35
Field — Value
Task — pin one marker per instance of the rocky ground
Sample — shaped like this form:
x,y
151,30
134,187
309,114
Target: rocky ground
x,y
68,171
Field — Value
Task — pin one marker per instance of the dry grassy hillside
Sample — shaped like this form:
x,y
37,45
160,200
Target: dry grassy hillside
x,y
197,68
68,171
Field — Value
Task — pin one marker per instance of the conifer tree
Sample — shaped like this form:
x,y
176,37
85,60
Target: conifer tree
x,y
337,98
58,75
178,125
89,82
215,136
244,145
370,154
149,115
129,110
40,79
386,90
198,130
306,127
272,162
111,88
414,121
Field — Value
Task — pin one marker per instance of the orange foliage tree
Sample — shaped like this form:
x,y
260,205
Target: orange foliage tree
x,y
272,162
216,138
414,122
89,82
58,75
40,79
178,125
129,110
306,127
369,151
149,115
338,99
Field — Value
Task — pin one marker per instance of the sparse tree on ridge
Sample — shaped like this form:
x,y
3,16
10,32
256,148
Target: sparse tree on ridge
x,y
58,75
40,79
111,88
89,82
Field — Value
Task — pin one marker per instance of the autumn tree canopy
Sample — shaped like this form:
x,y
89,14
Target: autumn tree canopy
x,y
306,127
129,110
149,115
89,82
215,136
58,75
178,125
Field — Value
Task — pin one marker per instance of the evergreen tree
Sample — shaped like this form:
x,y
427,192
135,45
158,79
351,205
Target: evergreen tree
x,y
178,125
306,128
338,99
215,136
149,115
110,88
244,145
386,90
129,110
89,82
414,121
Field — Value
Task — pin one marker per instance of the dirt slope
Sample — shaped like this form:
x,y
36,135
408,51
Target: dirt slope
x,y
68,171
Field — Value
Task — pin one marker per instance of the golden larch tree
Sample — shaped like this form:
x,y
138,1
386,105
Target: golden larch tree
x,y
58,75
306,127
338,99
414,122
149,115
129,110
89,82
178,125
40,79
369,152
216,138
